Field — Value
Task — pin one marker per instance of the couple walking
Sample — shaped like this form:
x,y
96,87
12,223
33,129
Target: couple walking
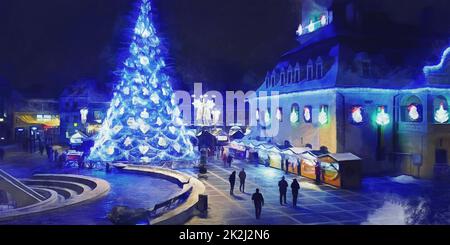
x,y
283,186
232,180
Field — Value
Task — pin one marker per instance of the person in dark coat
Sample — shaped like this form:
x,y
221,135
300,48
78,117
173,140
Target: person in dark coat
x,y
295,186
55,156
318,173
282,187
258,200
232,180
41,149
286,169
48,149
229,160
2,153
242,177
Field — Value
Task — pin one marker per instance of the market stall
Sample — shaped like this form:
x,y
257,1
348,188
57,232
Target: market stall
x,y
237,149
308,164
342,170
294,157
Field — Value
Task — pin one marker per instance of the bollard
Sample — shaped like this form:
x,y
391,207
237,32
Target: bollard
x,y
202,204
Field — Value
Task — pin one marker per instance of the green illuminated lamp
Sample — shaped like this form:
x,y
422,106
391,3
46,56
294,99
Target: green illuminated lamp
x,y
382,117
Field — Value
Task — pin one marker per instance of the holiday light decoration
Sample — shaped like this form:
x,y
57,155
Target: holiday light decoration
x,y
311,26
83,113
441,114
299,30
294,116
143,123
357,116
279,114
267,117
434,68
323,116
307,114
323,20
413,112
382,118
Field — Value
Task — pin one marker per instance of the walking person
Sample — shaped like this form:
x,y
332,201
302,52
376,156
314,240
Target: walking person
x,y
286,166
224,158
242,177
232,180
41,149
229,160
258,200
295,186
282,187
318,173
2,154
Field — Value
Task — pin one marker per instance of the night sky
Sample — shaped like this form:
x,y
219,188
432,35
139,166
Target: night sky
x,y
48,44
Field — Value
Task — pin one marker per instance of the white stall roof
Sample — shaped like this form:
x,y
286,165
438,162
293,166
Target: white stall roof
x,y
342,157
299,150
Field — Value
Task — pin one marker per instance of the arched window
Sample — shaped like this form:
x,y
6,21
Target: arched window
x,y
295,114
279,114
297,73
290,75
273,79
309,71
440,110
411,109
282,78
319,68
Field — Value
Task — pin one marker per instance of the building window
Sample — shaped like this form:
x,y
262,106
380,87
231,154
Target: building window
x,y
366,68
295,114
309,71
440,110
282,78
279,114
411,109
319,68
273,80
297,75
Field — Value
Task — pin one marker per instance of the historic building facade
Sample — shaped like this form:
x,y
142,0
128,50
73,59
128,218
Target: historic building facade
x,y
83,106
377,89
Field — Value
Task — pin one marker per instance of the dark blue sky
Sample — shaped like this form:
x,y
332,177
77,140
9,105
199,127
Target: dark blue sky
x,y
48,44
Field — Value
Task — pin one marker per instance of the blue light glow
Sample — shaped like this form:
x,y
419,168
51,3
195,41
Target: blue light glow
x,y
142,125
431,69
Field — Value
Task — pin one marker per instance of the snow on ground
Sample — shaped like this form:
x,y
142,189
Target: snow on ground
x,y
405,179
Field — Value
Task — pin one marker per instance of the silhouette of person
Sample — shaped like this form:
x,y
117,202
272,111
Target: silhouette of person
x,y
282,187
258,200
286,166
318,172
229,160
242,177
232,180
295,186
2,153
41,149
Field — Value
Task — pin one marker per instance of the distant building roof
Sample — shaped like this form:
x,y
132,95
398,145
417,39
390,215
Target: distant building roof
x,y
90,89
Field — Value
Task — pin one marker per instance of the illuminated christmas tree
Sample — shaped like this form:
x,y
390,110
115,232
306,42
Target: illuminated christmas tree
x,y
143,123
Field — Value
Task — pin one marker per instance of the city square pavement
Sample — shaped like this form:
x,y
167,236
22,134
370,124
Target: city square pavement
x,y
317,204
